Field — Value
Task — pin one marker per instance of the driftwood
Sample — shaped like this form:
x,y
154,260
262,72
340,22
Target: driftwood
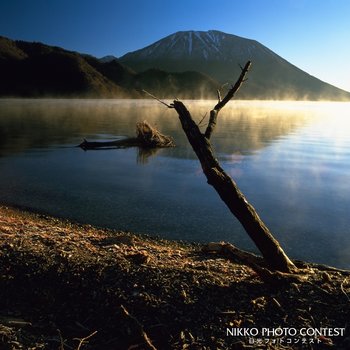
x,y
122,143
147,136
82,341
256,263
137,330
224,184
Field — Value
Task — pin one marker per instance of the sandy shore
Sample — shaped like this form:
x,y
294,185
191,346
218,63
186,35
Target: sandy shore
x,y
69,286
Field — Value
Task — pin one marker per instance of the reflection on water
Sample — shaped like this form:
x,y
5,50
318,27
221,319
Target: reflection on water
x,y
291,160
42,123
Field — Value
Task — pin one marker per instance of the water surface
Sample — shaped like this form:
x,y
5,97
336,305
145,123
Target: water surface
x,y
291,159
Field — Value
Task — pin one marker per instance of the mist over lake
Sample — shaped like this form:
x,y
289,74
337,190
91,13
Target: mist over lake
x,y
291,160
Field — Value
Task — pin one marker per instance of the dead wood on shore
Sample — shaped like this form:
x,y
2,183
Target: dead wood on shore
x,y
58,275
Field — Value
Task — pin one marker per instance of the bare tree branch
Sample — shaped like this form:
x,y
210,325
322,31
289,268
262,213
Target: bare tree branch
x,y
201,121
227,188
156,98
219,95
215,111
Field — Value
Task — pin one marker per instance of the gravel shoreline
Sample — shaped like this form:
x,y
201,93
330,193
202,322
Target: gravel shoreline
x,y
70,286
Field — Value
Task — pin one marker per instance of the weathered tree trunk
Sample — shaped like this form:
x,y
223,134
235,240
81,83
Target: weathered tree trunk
x,y
226,187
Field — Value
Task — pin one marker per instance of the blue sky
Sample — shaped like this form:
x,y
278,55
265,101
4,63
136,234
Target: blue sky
x,y
312,34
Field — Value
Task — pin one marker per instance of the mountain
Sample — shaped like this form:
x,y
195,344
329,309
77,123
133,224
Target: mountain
x,y
35,70
163,84
189,84
219,55
184,65
106,59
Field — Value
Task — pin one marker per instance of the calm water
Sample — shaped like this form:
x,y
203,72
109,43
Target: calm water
x,y
292,160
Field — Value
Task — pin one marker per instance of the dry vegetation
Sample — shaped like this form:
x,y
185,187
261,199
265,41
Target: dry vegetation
x,y
67,286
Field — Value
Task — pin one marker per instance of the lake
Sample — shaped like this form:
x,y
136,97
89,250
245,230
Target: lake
x,y
290,159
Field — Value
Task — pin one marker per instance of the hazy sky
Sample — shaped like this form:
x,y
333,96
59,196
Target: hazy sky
x,y
312,34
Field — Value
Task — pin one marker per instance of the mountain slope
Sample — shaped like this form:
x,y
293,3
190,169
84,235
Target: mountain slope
x,y
190,84
218,55
35,69
184,85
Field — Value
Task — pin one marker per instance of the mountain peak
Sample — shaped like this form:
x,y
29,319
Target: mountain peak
x,y
206,45
219,55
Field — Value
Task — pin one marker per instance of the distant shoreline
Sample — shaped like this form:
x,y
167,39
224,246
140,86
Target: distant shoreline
x,y
82,98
